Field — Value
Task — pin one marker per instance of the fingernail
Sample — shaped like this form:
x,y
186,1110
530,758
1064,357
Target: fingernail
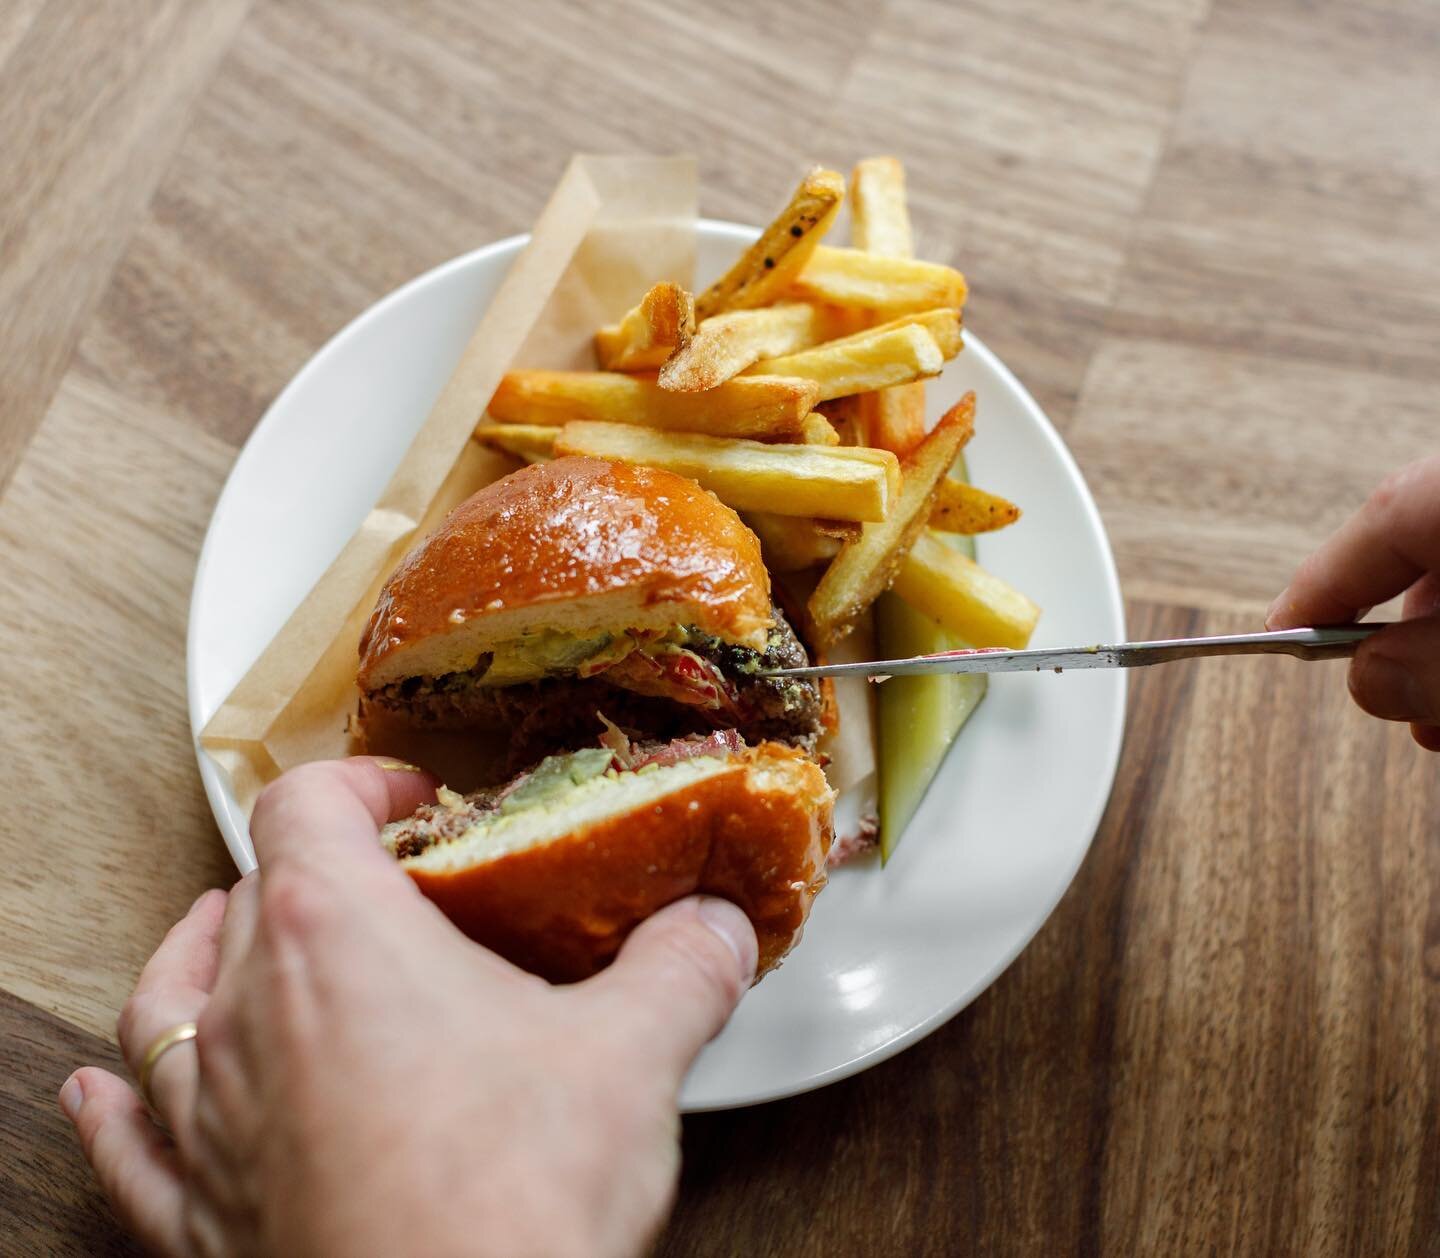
x,y
1389,689
72,1097
398,766
733,927
1275,608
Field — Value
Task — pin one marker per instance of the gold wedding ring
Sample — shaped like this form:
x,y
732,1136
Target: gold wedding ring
x,y
164,1042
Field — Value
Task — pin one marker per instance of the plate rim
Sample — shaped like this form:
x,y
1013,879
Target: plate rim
x,y
234,826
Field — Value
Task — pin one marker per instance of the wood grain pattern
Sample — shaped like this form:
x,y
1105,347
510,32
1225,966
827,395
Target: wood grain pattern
x,y
1202,233
100,527
95,98
410,134
1293,213
1248,459
48,1203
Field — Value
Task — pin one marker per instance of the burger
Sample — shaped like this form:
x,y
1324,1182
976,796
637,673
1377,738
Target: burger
x,y
614,624
553,869
581,587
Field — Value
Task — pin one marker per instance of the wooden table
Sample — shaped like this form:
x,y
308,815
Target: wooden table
x,y
1204,234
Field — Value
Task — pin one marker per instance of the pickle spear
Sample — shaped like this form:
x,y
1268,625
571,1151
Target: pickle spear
x,y
919,716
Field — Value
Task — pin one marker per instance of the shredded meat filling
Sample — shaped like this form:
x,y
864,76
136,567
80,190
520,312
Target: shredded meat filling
x,y
444,822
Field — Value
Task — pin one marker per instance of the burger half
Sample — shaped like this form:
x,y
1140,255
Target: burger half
x,y
577,588
553,869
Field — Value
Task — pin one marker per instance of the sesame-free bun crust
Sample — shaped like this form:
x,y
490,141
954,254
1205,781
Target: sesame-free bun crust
x,y
578,545
756,831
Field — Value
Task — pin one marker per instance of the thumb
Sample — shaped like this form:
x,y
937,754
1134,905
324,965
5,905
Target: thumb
x,y
679,977
1396,674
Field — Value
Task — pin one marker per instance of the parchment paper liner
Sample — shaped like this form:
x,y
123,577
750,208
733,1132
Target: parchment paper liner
x,y
612,227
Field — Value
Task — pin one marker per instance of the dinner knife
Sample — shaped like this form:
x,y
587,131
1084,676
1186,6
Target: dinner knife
x,y
1328,643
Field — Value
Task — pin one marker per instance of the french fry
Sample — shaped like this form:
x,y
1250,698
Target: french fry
x,y
891,286
943,324
756,406
765,270
865,568
791,543
893,419
532,442
725,344
750,475
961,508
868,360
661,324
819,431
952,588
879,216
882,459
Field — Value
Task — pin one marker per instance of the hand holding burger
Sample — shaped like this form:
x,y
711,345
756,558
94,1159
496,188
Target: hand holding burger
x,y
366,1080
362,1077
618,618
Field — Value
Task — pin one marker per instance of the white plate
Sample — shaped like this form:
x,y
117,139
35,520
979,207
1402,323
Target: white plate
x,y
888,955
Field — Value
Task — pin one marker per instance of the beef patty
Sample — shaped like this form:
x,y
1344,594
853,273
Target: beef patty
x,y
560,712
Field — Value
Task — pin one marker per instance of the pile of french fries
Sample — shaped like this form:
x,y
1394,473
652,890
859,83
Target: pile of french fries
x,y
792,388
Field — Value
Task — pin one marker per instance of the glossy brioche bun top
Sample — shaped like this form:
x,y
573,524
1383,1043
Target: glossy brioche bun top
x,y
557,889
579,546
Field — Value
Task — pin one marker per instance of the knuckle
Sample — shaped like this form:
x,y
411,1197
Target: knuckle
x,y
311,772
213,1030
1386,493
134,1014
125,1022
301,778
1403,488
293,904
270,795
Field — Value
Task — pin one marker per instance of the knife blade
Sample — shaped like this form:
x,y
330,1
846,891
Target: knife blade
x,y
1328,643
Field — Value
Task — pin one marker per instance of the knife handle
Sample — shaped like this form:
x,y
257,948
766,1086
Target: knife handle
x,y
1331,642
